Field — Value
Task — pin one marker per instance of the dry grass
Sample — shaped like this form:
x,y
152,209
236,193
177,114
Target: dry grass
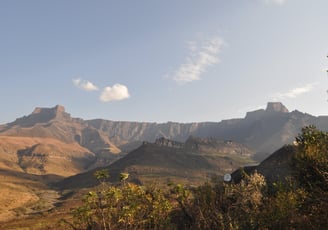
x,y
15,194
59,158
24,190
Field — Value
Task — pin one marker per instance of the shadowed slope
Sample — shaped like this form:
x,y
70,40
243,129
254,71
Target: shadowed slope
x,y
275,168
167,160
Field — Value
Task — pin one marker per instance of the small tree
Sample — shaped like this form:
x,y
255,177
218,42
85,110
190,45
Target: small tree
x,y
247,201
127,206
311,160
311,164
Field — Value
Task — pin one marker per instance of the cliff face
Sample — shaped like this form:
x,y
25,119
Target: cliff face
x,y
264,130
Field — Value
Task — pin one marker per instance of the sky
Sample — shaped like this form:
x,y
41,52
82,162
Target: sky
x,y
160,61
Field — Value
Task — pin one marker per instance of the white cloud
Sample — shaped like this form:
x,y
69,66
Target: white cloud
x,y
199,59
85,85
276,2
115,93
295,92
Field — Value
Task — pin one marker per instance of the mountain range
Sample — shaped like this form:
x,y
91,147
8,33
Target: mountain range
x,y
51,135
49,146
262,130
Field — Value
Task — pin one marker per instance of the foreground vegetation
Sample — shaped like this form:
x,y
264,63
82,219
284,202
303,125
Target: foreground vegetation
x,y
300,201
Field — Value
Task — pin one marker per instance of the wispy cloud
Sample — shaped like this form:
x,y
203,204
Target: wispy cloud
x,y
295,92
275,2
85,85
199,59
115,93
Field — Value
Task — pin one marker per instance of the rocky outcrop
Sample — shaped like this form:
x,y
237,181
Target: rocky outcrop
x,y
168,143
272,109
42,115
216,146
276,107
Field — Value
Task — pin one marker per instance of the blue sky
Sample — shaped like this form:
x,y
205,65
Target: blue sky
x,y
159,61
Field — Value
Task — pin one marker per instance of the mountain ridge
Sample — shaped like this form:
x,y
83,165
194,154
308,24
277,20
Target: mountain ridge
x,y
263,130
191,162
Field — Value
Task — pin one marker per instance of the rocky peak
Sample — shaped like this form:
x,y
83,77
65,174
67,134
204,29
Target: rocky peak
x,y
276,107
272,108
43,115
50,113
55,110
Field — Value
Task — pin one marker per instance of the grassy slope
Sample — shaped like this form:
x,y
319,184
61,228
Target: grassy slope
x,y
149,163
